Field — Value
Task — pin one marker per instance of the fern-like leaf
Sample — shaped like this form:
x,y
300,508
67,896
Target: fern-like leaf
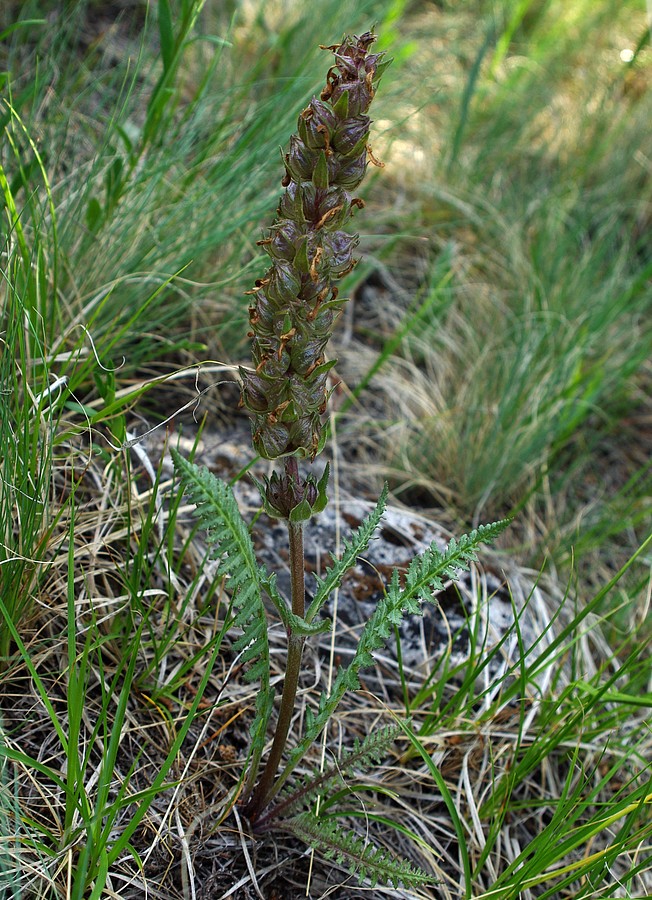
x,y
230,543
353,547
372,749
424,576
361,858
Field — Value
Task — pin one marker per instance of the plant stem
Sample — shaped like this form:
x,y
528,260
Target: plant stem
x,y
262,793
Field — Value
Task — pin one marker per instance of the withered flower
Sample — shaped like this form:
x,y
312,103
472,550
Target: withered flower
x,y
296,302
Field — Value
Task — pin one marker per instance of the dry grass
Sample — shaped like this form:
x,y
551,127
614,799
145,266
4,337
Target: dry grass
x,y
136,562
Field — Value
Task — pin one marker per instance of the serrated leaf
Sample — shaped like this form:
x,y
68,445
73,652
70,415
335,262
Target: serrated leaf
x,y
423,572
306,629
218,513
363,859
353,547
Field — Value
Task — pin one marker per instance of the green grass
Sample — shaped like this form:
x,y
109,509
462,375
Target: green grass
x,y
510,372
528,180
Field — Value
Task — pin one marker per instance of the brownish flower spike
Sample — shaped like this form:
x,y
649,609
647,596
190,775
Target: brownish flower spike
x,y
291,318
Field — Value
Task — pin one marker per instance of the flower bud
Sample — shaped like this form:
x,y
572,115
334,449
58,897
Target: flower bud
x,y
333,208
283,285
347,173
283,240
291,205
358,93
316,124
338,251
350,136
300,161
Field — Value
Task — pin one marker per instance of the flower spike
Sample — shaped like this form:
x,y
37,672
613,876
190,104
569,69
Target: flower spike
x,y
291,318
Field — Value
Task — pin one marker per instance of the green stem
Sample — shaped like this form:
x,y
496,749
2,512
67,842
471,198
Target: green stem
x,y
263,791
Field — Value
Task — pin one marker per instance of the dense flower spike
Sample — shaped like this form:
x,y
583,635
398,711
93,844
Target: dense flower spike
x,y
296,302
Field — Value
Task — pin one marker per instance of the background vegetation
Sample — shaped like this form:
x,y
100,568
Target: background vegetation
x,y
496,360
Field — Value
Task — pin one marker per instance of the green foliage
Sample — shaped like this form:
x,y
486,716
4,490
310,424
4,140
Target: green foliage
x,y
29,412
93,804
423,579
353,547
142,142
520,392
529,341
9,824
579,727
317,784
347,848
230,542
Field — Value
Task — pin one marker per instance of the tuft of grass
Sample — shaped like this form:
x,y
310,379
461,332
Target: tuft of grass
x,y
95,686
537,798
159,170
522,164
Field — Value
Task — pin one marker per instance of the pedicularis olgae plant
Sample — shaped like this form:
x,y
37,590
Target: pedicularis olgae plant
x,y
292,315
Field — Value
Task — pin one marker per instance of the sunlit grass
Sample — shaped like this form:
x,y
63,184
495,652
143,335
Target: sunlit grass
x,y
524,164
